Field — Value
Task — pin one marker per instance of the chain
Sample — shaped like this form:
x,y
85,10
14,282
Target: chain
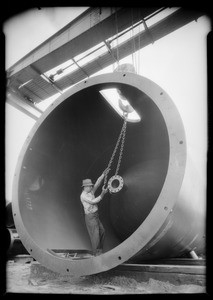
x,y
122,147
121,136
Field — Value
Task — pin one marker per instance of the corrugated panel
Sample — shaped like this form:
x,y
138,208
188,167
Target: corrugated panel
x,y
27,74
38,89
66,81
42,86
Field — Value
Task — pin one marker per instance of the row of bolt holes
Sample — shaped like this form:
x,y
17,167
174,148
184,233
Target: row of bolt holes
x,y
119,257
68,269
181,142
30,249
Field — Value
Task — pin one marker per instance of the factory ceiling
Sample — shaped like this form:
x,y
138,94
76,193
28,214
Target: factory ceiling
x,y
96,39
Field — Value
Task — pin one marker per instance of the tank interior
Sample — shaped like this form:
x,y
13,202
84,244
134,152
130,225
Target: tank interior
x,y
74,142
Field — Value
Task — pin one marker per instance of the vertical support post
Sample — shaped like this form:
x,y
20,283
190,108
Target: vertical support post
x,y
193,254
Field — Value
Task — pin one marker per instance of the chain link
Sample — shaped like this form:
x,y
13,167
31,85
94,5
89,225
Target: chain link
x,y
121,136
122,147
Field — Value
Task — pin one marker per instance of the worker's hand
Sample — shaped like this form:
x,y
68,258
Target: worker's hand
x,y
104,191
106,171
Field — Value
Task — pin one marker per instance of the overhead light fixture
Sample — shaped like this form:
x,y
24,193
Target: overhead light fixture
x,y
120,104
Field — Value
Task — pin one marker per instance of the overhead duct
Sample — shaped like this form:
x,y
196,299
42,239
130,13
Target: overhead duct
x,y
158,213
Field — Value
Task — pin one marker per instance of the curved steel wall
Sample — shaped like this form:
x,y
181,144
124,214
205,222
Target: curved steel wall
x,y
160,212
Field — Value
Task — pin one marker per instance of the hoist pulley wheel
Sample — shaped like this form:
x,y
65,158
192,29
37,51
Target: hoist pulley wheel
x,y
115,184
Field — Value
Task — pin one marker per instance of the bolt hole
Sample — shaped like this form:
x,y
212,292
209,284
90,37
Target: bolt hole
x,y
165,207
68,270
124,75
161,93
119,257
14,214
85,81
181,142
31,250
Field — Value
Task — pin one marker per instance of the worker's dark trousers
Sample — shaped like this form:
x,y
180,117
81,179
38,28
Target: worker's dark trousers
x,y
96,232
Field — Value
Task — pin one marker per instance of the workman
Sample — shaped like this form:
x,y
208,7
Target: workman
x,y
94,226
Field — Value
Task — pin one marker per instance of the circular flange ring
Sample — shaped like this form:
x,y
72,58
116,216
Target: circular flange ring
x,y
115,184
157,217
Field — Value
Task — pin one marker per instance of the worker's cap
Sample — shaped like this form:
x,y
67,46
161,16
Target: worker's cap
x,y
87,182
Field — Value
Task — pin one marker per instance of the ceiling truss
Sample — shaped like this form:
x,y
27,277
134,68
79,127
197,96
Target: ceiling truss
x,y
28,78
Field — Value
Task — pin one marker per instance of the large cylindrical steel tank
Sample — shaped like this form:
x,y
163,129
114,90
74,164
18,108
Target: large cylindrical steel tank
x,y
159,213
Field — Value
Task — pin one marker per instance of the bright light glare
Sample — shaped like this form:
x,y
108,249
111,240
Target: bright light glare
x,y
112,96
160,16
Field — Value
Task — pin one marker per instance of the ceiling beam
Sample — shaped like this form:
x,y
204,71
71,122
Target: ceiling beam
x,y
171,23
86,31
99,31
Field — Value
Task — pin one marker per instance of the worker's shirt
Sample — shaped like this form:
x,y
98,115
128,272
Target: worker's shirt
x,y
89,202
88,198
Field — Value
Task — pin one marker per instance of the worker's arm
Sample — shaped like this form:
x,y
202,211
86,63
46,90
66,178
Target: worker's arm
x,y
87,198
99,180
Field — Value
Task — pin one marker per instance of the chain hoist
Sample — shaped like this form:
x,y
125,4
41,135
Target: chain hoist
x,y
115,183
